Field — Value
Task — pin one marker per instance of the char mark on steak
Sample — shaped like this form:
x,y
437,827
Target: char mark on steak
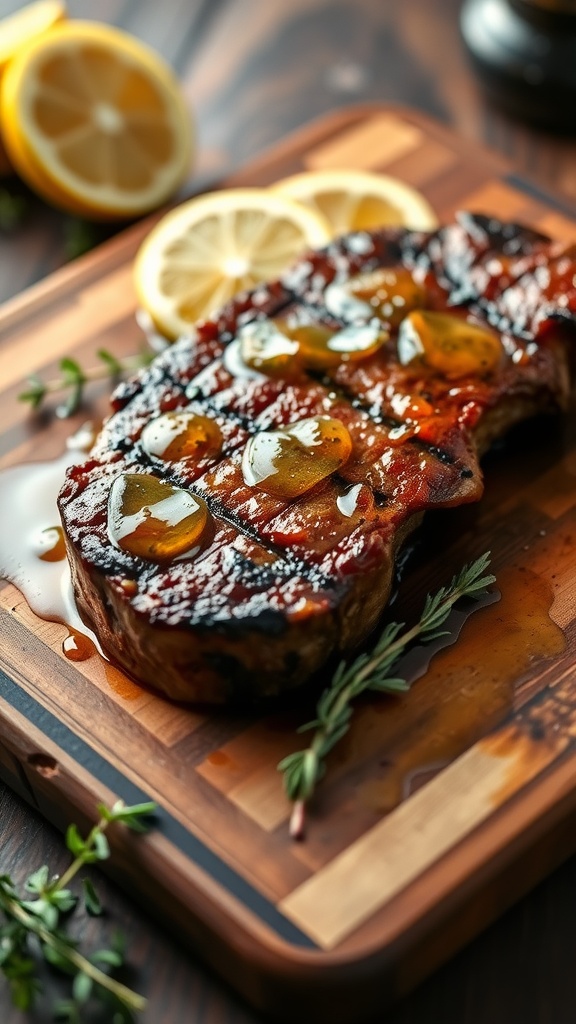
x,y
279,580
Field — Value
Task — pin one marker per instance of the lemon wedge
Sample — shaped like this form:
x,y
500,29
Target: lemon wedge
x,y
95,121
215,245
359,200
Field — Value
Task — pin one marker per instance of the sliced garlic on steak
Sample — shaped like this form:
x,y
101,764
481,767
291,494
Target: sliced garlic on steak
x,y
342,304
387,293
152,519
355,342
448,344
182,435
266,348
279,347
288,462
321,347
390,292
233,362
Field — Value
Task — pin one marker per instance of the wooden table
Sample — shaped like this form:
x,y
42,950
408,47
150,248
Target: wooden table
x,y
252,71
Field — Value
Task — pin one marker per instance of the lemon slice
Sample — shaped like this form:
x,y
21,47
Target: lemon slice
x,y
20,28
15,32
359,200
208,249
95,121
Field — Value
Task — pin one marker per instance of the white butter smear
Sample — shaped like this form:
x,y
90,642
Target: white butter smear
x,y
28,507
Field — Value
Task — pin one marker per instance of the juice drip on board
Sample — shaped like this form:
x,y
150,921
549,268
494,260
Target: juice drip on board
x,y
77,647
51,546
121,684
465,691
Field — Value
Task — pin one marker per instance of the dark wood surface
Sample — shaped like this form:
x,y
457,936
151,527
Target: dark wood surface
x,y
253,72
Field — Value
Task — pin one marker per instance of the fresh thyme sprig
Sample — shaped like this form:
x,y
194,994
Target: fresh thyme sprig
x,y
37,921
303,769
74,379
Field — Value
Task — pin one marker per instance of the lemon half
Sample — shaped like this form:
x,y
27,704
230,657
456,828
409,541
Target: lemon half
x,y
18,29
95,121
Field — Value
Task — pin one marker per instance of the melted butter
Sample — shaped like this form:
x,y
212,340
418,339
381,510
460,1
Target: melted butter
x,y
49,545
410,407
348,502
319,347
387,293
152,519
448,344
465,690
77,646
121,684
264,347
182,435
342,304
391,293
278,347
286,463
28,512
234,363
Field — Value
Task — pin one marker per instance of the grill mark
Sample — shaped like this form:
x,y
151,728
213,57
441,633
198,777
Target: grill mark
x,y
227,515
443,456
225,508
174,369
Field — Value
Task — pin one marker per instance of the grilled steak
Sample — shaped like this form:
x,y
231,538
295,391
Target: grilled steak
x,y
238,518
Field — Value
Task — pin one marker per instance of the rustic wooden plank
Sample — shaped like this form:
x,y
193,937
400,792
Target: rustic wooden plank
x,y
413,775
384,861
369,146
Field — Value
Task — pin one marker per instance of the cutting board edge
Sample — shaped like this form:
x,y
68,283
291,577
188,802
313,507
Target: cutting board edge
x,y
260,959
391,963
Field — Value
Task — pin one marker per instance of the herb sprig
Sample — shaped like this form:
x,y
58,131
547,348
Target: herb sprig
x,y
35,922
74,379
372,670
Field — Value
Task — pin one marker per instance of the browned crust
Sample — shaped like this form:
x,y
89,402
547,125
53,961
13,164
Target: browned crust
x,y
217,661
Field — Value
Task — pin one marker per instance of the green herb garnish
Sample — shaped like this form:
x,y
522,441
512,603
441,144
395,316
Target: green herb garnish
x,y
372,670
35,923
74,379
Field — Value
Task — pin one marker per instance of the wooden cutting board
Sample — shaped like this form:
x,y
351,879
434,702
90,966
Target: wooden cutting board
x,y
439,808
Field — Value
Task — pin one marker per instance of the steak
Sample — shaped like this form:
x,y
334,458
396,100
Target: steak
x,y
368,380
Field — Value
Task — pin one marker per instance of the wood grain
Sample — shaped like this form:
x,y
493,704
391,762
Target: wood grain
x,y
249,80
498,726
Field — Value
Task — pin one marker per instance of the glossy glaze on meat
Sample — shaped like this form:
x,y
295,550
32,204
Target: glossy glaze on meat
x,y
279,585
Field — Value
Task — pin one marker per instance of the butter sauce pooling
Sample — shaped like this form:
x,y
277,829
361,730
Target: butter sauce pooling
x,y
32,554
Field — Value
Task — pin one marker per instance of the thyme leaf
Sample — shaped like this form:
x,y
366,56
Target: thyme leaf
x,y
40,919
372,670
73,379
